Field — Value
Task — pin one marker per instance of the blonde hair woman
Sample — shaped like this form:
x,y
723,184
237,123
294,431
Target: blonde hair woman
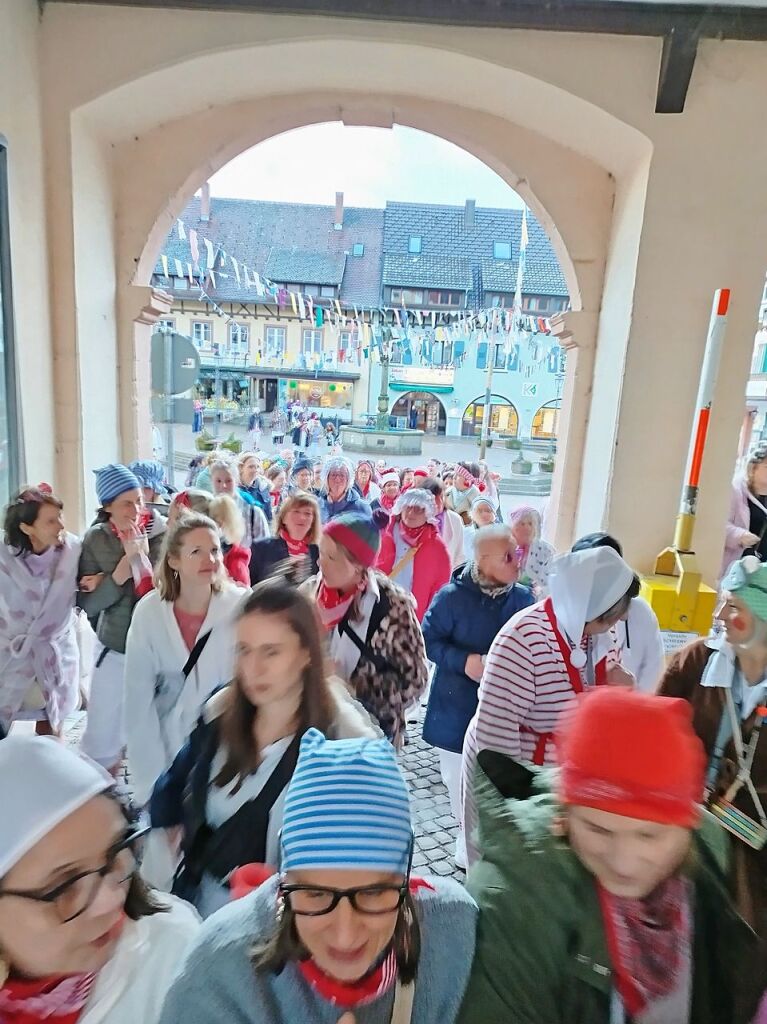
x,y
297,535
226,515
180,648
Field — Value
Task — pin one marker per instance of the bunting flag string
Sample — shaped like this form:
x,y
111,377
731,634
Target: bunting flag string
x,y
511,321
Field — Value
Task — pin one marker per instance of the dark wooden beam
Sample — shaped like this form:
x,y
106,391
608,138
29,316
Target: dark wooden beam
x,y
622,17
680,48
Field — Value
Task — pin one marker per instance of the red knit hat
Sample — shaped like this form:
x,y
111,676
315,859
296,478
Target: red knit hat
x,y
360,535
420,473
632,754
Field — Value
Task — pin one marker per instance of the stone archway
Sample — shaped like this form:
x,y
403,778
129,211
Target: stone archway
x,y
159,144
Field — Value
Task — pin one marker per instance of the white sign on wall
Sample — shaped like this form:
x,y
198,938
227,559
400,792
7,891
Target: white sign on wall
x,y
424,375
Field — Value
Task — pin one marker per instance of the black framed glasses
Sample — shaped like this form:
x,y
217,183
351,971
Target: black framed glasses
x,y
73,897
314,901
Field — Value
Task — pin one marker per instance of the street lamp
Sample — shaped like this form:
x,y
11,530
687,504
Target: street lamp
x,y
559,380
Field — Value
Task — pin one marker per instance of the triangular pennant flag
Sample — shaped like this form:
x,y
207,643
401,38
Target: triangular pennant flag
x,y
190,274
293,303
213,278
301,307
338,307
181,231
164,261
194,247
246,275
257,283
210,252
179,268
236,268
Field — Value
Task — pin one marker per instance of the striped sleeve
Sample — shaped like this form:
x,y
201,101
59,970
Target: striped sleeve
x,y
506,693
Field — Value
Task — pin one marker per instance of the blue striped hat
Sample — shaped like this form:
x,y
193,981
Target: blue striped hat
x,y
346,807
114,480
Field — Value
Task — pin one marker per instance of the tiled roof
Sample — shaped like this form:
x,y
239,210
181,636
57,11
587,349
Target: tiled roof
x,y
300,267
250,230
444,233
428,272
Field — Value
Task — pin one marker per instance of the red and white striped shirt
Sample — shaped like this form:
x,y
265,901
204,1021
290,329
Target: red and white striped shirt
x,y
525,688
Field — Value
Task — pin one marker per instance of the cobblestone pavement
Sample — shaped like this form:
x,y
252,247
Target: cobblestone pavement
x,y
433,823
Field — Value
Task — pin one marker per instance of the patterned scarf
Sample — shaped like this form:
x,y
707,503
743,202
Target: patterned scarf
x,y
488,587
332,605
296,548
648,941
50,1001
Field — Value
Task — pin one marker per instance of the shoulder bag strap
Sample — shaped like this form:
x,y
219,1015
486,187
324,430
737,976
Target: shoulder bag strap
x,y
406,559
402,1011
381,663
194,654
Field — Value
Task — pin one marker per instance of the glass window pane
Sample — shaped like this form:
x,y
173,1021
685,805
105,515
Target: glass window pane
x,y
502,250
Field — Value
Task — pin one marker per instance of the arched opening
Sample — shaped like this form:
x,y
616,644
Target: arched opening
x,y
504,419
420,410
545,422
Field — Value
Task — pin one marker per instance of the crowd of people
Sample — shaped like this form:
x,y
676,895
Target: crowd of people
x,y
232,838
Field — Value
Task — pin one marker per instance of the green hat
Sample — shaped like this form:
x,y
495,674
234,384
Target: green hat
x,y
748,579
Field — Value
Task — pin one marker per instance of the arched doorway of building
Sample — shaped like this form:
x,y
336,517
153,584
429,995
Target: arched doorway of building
x,y
504,418
545,422
420,410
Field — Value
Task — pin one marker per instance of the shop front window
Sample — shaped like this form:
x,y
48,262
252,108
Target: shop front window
x,y
9,450
333,396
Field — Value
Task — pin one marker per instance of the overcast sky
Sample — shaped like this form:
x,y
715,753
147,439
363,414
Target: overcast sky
x,y
369,165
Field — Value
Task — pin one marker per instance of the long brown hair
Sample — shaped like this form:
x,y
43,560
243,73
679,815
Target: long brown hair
x,y
276,596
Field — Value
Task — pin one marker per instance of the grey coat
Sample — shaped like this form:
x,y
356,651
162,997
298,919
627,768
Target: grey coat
x,y
110,607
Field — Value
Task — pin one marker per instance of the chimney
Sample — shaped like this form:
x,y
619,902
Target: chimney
x,y
205,202
338,222
468,214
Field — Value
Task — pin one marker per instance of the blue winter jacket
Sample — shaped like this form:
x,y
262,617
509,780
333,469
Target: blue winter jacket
x,y
351,502
461,620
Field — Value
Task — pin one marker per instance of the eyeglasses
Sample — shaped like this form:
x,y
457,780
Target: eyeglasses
x,y
311,901
73,897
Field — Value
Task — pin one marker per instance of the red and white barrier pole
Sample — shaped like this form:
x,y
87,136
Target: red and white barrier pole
x,y
689,502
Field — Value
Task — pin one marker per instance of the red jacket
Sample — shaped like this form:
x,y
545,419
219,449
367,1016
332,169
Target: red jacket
x,y
431,566
237,564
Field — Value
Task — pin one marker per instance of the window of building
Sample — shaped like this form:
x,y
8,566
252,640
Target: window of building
x,y
348,340
502,250
414,244
180,284
500,355
358,249
311,341
328,291
442,298
202,333
275,339
396,353
312,290
239,338
168,325
10,457
498,300
406,296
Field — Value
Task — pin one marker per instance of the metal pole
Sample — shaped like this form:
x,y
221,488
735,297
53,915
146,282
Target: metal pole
x,y
689,501
216,393
169,453
488,395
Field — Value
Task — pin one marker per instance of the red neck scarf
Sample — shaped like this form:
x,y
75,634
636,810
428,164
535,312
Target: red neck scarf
x,y
296,548
332,605
413,538
387,502
369,988
145,520
364,491
46,1001
648,941
275,496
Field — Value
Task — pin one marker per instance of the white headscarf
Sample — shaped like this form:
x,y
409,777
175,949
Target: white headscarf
x,y
419,498
584,585
42,782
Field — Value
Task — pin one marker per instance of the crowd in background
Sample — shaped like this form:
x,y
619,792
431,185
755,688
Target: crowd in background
x,y
253,650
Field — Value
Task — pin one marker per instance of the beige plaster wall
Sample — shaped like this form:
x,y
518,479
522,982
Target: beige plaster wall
x,y
20,125
172,95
